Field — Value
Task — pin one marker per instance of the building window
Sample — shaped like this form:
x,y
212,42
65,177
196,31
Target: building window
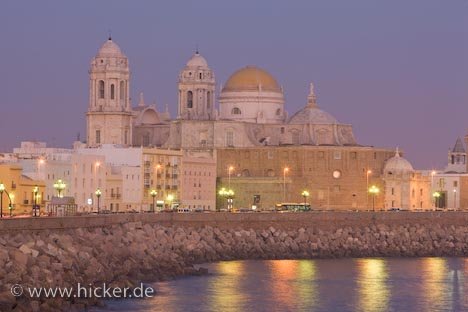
x,y
393,192
295,138
321,154
455,183
98,136
208,99
122,90
236,111
353,155
270,173
112,91
126,137
278,112
146,140
337,155
101,89
190,99
246,173
200,75
230,139
282,130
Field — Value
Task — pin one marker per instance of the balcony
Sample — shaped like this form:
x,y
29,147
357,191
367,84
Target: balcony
x,y
116,196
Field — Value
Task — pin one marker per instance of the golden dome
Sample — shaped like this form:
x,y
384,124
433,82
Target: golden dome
x,y
250,78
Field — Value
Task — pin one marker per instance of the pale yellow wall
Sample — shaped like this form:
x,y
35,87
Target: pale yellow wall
x,y
20,189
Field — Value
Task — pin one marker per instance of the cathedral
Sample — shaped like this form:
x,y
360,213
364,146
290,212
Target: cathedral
x,y
251,110
247,125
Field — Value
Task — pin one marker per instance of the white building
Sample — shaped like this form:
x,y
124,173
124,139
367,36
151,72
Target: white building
x,y
405,188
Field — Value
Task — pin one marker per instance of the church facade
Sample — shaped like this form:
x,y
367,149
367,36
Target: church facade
x,y
249,129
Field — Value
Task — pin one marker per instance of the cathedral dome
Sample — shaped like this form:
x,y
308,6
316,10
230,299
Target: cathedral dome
x,y
397,164
312,115
197,61
252,78
110,49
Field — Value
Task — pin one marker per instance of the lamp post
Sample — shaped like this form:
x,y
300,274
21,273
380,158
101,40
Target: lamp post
x,y
59,186
153,194
285,171
368,172
305,194
230,170
35,191
374,190
98,195
436,196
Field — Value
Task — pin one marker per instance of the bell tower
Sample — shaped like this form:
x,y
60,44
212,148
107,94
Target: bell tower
x,y
109,116
196,90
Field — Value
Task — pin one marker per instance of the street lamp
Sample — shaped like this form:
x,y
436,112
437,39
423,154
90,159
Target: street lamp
x,y
436,196
98,195
153,194
2,189
59,186
368,172
305,194
374,190
35,191
285,171
230,170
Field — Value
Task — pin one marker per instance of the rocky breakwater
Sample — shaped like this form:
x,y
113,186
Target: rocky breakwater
x,y
127,254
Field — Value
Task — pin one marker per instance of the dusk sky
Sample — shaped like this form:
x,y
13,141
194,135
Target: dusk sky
x,y
396,70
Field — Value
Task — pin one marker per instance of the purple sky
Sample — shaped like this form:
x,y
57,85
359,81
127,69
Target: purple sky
x,y
397,70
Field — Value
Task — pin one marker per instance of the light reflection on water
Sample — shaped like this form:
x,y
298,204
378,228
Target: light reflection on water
x,y
373,285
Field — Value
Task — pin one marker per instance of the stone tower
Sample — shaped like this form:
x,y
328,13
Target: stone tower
x,y
109,116
456,158
196,90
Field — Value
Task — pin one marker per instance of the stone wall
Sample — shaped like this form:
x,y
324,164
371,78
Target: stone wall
x,y
123,250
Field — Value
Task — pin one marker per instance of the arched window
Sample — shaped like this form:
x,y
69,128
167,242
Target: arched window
x,y
208,99
236,111
270,173
230,139
101,89
200,75
278,112
122,90
189,99
112,91
246,173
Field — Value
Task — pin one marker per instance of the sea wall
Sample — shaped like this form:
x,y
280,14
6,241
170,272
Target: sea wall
x,y
123,250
